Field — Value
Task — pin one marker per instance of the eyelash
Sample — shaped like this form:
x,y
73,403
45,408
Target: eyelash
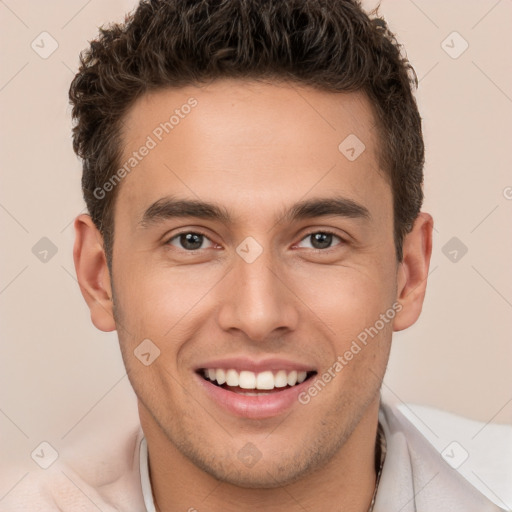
x,y
177,235
323,231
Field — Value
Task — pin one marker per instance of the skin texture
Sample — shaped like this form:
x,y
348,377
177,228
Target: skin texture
x,y
255,149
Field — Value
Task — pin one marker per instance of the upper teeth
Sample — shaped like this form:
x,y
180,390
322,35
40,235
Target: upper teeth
x,y
250,380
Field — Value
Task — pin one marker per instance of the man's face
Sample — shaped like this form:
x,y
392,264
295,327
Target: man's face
x,y
257,289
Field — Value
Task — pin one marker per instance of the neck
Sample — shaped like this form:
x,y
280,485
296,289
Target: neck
x,y
346,482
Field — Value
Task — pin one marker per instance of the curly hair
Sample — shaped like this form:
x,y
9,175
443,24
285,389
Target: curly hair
x,y
331,45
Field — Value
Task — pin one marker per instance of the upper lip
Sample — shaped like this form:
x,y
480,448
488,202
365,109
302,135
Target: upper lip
x,y
252,365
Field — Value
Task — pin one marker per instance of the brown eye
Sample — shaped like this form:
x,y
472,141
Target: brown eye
x,y
188,241
321,239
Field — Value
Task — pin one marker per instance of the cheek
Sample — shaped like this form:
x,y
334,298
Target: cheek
x,y
156,300
347,298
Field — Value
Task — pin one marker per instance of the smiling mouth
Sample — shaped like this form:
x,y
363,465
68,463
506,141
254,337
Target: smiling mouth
x,y
250,383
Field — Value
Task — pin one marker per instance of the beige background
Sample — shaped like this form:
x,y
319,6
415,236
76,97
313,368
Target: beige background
x,y
60,378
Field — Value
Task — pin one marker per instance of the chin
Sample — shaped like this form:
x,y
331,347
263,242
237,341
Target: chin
x,y
267,476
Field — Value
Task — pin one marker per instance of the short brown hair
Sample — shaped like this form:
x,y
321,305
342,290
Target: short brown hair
x,y
332,45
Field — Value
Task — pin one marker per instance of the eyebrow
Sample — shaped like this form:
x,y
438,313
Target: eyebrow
x,y
170,207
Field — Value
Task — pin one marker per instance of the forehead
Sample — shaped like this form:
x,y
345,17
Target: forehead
x,y
248,143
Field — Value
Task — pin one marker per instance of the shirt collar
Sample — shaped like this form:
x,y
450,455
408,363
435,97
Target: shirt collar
x,y
147,493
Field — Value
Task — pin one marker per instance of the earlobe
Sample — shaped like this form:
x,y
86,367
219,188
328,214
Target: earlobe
x,y
413,271
92,273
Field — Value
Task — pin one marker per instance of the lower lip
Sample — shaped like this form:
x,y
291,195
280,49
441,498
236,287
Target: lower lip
x,y
254,407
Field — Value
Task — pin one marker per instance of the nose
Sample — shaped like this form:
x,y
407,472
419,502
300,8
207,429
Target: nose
x,y
257,300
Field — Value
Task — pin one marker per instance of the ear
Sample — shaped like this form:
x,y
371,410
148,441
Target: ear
x,y
92,272
413,271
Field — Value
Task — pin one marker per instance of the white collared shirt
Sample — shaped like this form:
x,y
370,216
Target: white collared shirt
x,y
415,476
108,470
